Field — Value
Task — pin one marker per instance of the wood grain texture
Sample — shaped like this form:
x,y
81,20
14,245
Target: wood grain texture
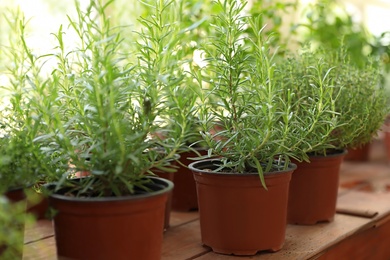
x,y
366,201
303,242
41,250
40,230
183,242
180,218
372,243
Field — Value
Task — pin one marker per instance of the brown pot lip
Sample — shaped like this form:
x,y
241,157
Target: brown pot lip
x,y
20,187
192,149
167,183
194,168
336,153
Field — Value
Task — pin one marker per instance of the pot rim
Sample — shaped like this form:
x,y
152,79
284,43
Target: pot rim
x,y
168,187
192,167
336,153
20,187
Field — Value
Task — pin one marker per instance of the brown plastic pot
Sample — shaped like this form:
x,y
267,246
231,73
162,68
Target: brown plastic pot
x,y
37,207
171,177
313,190
15,195
237,215
359,154
184,196
168,206
128,227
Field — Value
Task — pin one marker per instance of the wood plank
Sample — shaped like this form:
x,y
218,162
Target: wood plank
x,y
39,230
183,242
354,172
44,249
366,201
369,177
372,243
179,218
303,242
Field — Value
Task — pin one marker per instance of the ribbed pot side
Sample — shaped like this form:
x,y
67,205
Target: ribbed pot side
x,y
167,215
168,176
360,154
313,190
184,196
128,227
237,215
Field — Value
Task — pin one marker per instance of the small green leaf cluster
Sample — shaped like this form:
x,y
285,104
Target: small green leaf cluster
x,y
165,53
362,102
348,103
310,79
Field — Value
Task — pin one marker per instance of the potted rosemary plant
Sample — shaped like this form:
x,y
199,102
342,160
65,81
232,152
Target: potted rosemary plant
x,y
22,165
21,161
362,102
105,104
243,192
314,185
178,118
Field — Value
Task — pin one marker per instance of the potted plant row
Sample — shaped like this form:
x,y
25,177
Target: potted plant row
x,y
314,185
122,114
